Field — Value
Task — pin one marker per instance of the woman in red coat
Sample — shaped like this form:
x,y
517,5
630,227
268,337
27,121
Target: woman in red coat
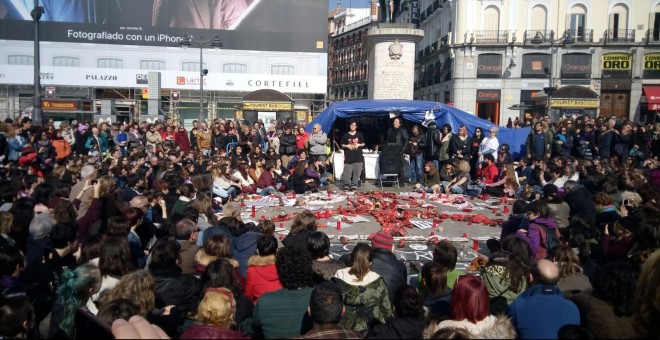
x,y
181,139
261,273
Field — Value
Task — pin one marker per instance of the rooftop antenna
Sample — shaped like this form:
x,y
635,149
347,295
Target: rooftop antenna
x,y
338,3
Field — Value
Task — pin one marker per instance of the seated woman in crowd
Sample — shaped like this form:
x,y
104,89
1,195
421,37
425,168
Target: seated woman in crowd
x,y
365,293
469,309
237,156
255,154
507,183
299,181
459,184
256,168
223,179
247,184
430,179
215,317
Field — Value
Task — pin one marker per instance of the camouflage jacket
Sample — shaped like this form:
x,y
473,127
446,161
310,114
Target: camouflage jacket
x,y
364,304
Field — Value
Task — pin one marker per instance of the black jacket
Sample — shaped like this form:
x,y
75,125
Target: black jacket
x,y
581,203
432,137
399,328
298,240
397,136
174,288
464,146
390,269
288,144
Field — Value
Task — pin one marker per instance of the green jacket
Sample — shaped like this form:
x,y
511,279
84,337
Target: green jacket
x,y
364,304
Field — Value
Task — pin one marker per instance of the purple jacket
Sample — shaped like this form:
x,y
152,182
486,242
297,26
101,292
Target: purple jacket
x,y
533,236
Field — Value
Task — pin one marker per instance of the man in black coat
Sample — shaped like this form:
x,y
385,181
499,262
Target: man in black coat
x,y
386,264
580,201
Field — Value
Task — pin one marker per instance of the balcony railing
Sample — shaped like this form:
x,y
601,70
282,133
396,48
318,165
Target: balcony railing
x,y
620,36
653,36
578,35
538,36
491,37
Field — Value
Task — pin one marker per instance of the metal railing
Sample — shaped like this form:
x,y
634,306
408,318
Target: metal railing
x,y
618,35
578,35
538,36
653,36
491,37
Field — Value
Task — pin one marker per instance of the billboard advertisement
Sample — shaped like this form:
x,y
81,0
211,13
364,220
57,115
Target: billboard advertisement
x,y
277,44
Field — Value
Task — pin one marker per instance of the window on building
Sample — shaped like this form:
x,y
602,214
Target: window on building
x,y
20,60
285,70
538,18
577,22
655,36
109,63
152,65
66,61
619,22
491,19
191,66
234,68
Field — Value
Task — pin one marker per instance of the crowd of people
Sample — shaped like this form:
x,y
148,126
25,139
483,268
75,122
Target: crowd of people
x,y
142,222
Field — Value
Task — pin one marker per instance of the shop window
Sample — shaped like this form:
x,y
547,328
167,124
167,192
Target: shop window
x,y
66,61
234,68
20,60
152,65
191,66
284,70
109,63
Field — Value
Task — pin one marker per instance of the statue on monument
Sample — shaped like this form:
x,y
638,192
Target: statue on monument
x,y
388,10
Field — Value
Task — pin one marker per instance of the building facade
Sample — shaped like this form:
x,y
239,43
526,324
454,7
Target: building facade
x,y
347,59
502,59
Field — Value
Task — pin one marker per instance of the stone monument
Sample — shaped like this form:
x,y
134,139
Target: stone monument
x,y
392,52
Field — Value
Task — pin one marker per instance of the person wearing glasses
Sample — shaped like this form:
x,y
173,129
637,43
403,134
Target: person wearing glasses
x,y
489,145
562,143
317,140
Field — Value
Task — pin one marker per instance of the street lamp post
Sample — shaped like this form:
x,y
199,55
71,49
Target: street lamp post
x,y
37,116
187,41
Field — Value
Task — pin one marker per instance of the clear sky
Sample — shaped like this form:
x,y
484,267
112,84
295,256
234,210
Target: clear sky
x,y
332,4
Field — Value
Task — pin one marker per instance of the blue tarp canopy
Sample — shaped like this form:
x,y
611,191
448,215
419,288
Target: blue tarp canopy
x,y
415,111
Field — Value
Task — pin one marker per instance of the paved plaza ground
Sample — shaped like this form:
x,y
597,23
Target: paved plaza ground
x,y
417,249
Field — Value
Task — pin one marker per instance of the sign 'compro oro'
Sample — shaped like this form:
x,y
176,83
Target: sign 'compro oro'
x,y
271,106
617,61
575,103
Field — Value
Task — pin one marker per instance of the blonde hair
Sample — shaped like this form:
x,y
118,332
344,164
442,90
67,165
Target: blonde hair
x,y
217,308
6,220
232,209
137,287
463,167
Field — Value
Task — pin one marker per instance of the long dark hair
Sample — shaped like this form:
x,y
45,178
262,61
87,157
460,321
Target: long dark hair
x,y
360,260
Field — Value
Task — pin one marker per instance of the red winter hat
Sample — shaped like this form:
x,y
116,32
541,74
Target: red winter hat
x,y
382,239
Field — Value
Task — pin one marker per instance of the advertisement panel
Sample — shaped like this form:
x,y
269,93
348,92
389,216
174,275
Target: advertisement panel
x,y
576,66
489,66
261,39
617,65
652,66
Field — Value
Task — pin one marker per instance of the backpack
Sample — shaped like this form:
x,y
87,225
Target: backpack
x,y
548,240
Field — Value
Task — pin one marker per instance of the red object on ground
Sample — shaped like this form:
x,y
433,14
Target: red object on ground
x,y
424,195
242,203
435,224
402,243
494,211
475,245
471,198
329,194
281,225
254,211
506,209
338,225
465,235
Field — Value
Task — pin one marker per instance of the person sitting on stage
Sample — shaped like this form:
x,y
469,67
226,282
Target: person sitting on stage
x,y
430,179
